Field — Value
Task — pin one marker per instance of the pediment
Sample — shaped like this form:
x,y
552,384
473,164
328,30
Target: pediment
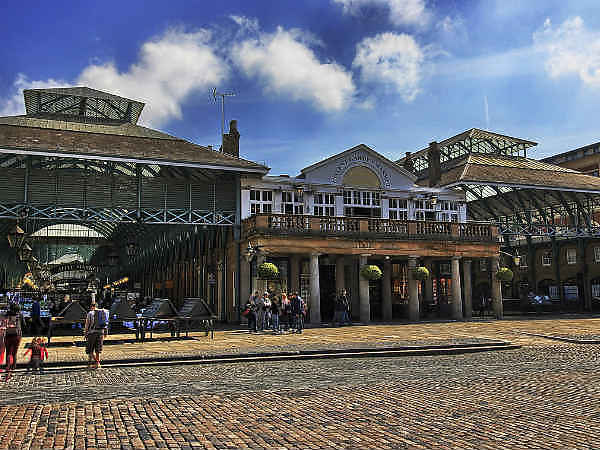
x,y
335,169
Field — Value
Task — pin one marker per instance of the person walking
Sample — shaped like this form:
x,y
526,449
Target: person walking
x,y
284,312
96,329
297,306
260,312
275,309
251,314
36,321
345,305
12,339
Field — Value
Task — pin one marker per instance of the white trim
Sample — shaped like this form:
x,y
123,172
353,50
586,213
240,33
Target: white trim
x,y
132,160
525,186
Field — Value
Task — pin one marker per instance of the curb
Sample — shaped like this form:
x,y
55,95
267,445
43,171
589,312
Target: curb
x,y
425,350
563,339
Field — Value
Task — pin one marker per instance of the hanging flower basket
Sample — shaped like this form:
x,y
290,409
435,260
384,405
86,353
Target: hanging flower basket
x,y
268,271
371,272
420,273
504,274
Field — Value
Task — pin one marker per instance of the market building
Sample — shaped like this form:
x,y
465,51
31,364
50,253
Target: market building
x,y
357,208
546,211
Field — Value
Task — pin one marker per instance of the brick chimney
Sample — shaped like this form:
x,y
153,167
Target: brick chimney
x,y
435,168
231,140
408,165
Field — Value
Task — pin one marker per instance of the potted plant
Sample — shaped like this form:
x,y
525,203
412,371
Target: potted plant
x,y
504,274
268,271
371,272
420,273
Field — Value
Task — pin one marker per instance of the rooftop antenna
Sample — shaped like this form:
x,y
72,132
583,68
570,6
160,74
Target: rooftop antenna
x,y
216,94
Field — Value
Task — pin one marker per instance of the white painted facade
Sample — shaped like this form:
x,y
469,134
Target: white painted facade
x,y
321,190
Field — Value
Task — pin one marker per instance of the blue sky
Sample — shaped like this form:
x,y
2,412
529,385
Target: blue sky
x,y
315,77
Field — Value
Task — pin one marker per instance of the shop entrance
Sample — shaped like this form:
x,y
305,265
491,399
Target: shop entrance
x,y
327,288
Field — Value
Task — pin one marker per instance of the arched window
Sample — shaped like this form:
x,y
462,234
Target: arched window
x,y
361,177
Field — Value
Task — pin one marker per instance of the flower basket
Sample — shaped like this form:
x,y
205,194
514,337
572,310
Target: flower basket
x,y
420,273
371,272
268,271
504,274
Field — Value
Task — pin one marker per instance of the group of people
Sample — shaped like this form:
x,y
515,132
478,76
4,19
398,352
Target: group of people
x,y
11,334
279,313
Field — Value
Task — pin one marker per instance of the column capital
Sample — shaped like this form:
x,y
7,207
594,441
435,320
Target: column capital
x,y
316,254
366,255
467,261
456,257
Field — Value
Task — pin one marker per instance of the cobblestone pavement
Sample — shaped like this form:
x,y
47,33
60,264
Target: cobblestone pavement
x,y
375,336
544,395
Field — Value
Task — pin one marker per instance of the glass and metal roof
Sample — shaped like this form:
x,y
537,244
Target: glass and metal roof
x,y
82,102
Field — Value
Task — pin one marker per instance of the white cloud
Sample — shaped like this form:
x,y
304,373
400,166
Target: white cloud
x,y
402,12
287,66
169,69
13,105
391,59
570,49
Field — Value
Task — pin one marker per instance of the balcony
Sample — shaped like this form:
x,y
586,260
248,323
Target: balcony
x,y
367,227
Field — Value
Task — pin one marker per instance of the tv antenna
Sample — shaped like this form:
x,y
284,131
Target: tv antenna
x,y
216,94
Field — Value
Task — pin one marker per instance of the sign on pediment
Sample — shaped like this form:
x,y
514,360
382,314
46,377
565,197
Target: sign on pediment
x,y
361,158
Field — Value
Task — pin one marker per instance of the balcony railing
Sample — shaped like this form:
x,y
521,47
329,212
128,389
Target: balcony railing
x,y
358,226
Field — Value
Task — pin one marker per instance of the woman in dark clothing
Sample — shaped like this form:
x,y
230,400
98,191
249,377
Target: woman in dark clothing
x,y
12,338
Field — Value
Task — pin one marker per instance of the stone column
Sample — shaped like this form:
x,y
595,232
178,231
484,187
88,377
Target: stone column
x,y
363,289
457,312
496,288
315,290
386,291
295,262
413,291
340,281
245,287
468,289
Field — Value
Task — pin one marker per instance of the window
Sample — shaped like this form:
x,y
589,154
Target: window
x,y
597,254
324,204
547,259
292,202
483,265
362,203
571,256
398,209
424,210
261,201
553,292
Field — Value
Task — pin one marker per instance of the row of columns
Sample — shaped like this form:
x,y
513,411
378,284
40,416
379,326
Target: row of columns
x,y
413,288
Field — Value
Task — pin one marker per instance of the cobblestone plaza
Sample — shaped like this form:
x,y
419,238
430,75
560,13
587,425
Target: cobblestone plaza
x,y
543,395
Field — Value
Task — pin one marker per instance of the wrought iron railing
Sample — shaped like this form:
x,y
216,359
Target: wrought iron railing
x,y
386,228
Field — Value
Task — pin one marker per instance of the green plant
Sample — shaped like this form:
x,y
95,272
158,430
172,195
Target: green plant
x,y
504,274
268,271
420,273
371,272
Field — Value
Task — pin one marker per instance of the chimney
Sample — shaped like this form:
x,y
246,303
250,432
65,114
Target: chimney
x,y
231,140
435,169
408,165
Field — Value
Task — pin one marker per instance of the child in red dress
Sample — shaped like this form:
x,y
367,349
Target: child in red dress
x,y
38,352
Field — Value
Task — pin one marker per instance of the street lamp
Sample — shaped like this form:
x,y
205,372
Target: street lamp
x,y
515,258
26,253
251,252
130,249
16,237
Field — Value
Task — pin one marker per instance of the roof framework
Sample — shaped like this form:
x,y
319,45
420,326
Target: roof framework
x,y
526,198
470,142
82,102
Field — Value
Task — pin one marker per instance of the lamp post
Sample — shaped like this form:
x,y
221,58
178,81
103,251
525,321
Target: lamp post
x,y
516,259
16,237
